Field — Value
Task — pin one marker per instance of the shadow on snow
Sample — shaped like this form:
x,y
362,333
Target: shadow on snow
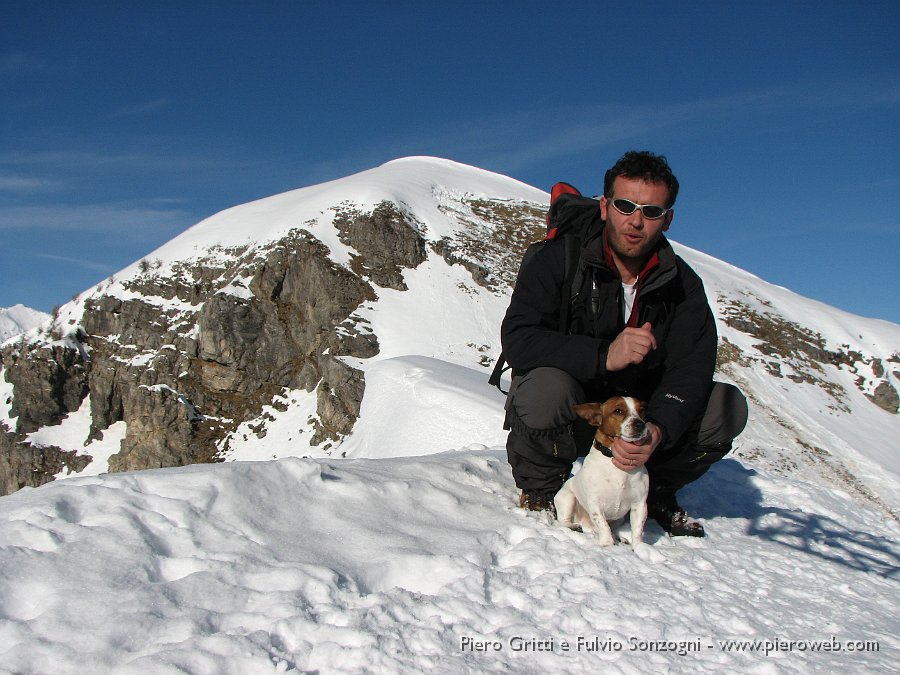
x,y
728,491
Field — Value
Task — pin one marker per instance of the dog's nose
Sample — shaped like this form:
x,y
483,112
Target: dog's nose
x,y
636,428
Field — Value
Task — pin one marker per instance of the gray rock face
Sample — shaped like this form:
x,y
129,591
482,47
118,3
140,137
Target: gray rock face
x,y
386,242
50,382
22,465
885,397
193,354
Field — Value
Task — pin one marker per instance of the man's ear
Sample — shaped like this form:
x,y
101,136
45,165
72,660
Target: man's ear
x,y
604,206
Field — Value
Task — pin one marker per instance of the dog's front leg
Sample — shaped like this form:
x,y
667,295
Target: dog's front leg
x,y
564,501
602,529
638,518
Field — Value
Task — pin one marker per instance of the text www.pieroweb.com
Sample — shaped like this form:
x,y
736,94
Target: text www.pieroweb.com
x,y
764,647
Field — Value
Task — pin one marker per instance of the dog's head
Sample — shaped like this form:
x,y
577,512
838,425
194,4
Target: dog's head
x,y
621,416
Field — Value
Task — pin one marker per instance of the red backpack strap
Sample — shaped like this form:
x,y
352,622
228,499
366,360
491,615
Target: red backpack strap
x,y
557,190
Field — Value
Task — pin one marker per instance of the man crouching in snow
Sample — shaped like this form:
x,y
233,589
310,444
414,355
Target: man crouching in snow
x,y
639,324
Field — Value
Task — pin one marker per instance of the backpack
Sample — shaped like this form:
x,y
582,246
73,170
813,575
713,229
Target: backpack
x,y
569,217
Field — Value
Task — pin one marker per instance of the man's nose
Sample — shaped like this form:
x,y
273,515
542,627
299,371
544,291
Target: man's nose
x,y
636,219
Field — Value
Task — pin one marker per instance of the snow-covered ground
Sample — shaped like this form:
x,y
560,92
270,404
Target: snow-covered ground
x,y
425,564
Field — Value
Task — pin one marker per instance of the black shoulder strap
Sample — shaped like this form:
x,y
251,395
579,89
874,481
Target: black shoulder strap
x,y
573,254
499,368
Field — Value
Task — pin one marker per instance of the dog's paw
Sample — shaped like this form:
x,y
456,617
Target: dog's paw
x,y
575,527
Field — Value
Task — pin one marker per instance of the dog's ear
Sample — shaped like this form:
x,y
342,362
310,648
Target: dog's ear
x,y
592,413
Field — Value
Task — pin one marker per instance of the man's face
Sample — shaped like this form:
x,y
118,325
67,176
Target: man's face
x,y
632,238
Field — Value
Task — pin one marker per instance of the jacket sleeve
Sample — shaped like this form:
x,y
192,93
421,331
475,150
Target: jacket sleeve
x,y
690,362
529,334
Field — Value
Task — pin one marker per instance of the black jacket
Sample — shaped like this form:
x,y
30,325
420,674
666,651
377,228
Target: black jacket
x,y
675,379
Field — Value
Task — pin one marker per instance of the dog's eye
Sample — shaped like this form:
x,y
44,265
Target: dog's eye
x,y
619,411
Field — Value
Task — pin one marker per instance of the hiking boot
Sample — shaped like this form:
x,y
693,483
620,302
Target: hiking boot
x,y
665,510
534,500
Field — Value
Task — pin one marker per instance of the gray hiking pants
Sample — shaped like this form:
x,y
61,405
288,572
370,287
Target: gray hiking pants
x,y
546,436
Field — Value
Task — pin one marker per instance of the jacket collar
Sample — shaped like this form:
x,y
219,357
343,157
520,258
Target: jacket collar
x,y
595,255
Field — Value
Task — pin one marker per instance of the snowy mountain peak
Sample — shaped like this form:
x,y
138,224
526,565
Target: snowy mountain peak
x,y
424,186
18,319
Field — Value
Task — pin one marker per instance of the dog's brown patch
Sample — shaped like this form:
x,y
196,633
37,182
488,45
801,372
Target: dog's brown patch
x,y
607,417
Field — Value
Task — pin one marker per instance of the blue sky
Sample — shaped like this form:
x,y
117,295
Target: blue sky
x,y
123,123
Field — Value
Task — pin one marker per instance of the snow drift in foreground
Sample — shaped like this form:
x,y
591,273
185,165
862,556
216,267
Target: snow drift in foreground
x,y
425,564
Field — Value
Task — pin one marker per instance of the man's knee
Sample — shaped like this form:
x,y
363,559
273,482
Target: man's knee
x,y
725,416
540,414
544,398
701,447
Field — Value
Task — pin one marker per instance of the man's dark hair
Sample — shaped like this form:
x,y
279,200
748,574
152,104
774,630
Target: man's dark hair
x,y
644,166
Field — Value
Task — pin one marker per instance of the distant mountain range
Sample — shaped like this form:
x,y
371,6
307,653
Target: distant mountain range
x,y
19,319
271,328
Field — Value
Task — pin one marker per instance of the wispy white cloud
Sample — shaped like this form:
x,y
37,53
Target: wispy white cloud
x,y
79,262
84,160
524,140
138,109
122,220
18,63
515,140
27,184
519,139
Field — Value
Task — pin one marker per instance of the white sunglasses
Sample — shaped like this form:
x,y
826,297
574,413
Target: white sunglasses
x,y
651,211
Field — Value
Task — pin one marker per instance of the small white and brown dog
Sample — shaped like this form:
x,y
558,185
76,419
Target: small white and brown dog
x,y
600,495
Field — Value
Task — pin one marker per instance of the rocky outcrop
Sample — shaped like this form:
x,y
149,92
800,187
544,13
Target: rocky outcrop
x,y
385,240
23,465
338,397
494,239
885,397
50,381
188,353
787,349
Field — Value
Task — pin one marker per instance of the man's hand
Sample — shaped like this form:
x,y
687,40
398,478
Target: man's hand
x,y
628,456
630,347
